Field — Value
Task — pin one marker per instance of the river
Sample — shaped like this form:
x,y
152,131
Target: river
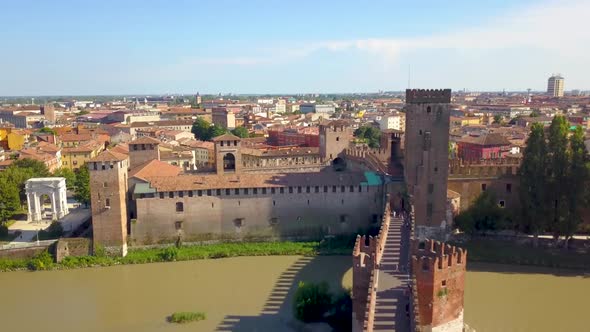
x,y
253,294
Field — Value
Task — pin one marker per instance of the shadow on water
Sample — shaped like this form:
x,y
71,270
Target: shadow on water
x,y
525,269
277,313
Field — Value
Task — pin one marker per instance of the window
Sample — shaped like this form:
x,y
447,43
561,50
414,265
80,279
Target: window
x,y
484,187
255,191
273,221
208,192
171,194
218,192
325,189
107,203
420,132
428,109
181,194
333,189
161,195
239,222
342,189
509,187
317,189
199,193
422,245
299,189
343,218
351,189
443,283
282,190
245,191
308,189
104,184
237,191
273,191
360,189
190,193
221,143
178,225
227,192
290,190
502,203
179,207
337,138
264,191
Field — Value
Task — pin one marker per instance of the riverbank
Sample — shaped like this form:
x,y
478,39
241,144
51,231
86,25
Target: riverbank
x,y
183,253
509,252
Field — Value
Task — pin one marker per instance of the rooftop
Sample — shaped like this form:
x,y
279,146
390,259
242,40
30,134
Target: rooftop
x,y
109,155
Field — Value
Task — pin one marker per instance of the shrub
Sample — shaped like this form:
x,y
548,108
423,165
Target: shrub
x,y
185,317
54,231
43,261
312,301
341,311
169,254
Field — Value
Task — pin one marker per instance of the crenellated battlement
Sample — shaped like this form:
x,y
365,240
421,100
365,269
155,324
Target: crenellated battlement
x,y
420,96
433,255
484,168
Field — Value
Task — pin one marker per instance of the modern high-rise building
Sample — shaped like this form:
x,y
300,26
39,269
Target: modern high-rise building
x,y
555,86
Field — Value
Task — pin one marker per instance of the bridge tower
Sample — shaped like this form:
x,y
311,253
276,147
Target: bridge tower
x,y
439,271
426,157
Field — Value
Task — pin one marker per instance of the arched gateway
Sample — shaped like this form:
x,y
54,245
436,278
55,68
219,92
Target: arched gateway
x,y
55,189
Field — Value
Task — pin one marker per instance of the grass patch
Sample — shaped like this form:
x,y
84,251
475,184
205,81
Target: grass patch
x,y
507,252
185,253
186,317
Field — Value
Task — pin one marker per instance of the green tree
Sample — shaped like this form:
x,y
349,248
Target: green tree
x,y
534,183
497,119
9,198
371,135
311,301
68,174
483,215
558,166
47,130
216,130
82,185
201,129
578,177
38,168
241,132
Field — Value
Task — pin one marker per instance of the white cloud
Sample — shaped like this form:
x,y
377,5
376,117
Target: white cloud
x,y
556,25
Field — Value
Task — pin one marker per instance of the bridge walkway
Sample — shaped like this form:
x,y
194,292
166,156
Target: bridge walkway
x,y
392,299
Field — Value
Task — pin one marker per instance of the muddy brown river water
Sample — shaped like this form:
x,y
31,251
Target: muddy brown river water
x,y
254,294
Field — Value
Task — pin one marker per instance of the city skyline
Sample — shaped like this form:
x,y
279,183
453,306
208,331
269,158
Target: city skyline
x,y
158,48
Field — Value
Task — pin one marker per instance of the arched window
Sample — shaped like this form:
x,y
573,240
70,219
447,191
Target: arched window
x,y
179,207
229,162
107,203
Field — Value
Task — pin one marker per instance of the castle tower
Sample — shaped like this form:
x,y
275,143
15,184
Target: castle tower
x,y
108,191
228,157
439,270
142,150
426,156
198,99
335,137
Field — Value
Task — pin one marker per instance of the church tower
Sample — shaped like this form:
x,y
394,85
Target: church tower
x,y
108,191
427,157
198,99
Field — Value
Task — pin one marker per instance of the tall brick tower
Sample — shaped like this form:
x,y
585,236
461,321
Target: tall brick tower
x,y
427,157
228,157
335,137
439,270
108,192
142,150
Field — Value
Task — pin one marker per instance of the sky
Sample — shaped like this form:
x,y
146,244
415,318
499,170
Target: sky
x,y
90,47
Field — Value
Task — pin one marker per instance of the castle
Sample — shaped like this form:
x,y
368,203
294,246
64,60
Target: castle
x,y
336,189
